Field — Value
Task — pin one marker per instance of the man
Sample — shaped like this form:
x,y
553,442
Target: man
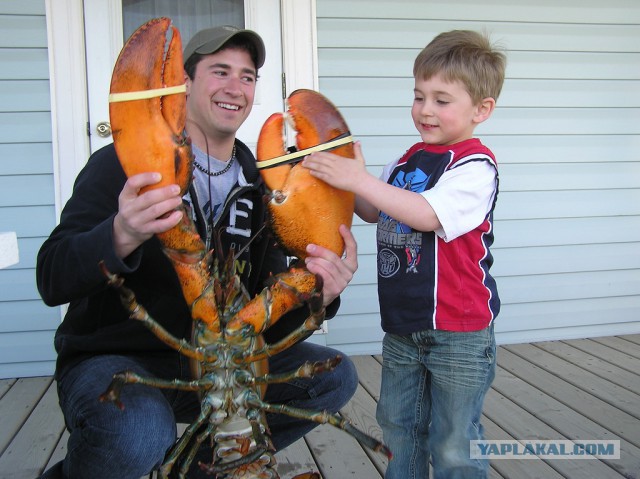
x,y
106,219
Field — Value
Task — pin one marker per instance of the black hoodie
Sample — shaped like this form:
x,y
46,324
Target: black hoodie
x,y
96,323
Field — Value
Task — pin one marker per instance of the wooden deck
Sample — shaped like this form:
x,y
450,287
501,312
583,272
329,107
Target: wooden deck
x,y
585,389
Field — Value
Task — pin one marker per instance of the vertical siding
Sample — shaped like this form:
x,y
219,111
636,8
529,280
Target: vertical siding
x,y
26,187
567,138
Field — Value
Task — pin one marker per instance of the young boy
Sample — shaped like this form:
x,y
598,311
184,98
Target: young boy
x,y
434,209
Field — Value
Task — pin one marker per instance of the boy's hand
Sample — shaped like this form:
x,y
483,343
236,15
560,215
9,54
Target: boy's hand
x,y
339,172
336,272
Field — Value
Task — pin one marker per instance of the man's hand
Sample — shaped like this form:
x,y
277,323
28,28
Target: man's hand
x,y
336,272
139,217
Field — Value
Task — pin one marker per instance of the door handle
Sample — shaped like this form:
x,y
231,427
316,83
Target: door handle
x,y
104,129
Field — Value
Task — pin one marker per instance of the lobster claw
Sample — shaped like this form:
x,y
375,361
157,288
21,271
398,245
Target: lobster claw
x,y
147,105
304,209
147,110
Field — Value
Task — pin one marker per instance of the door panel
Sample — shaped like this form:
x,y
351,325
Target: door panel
x,y
108,22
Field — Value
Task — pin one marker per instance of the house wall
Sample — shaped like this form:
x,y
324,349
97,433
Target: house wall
x,y
26,186
566,134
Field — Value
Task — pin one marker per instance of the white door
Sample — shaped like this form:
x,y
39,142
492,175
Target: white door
x,y
104,39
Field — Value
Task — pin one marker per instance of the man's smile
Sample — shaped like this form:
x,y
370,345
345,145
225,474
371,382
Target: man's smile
x,y
228,106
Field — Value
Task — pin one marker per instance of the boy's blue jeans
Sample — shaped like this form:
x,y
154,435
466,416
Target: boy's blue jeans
x,y
433,387
105,442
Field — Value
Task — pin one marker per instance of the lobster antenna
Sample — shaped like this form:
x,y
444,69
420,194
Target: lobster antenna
x,y
257,233
215,236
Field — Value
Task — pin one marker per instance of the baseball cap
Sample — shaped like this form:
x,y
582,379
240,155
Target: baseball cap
x,y
210,40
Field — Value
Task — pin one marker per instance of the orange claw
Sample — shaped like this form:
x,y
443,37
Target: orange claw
x,y
289,290
148,130
304,209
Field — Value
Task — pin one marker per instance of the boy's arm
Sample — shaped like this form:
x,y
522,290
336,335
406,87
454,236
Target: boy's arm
x,y
372,194
366,211
407,207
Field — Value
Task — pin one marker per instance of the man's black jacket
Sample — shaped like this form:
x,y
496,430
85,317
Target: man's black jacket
x,y
96,322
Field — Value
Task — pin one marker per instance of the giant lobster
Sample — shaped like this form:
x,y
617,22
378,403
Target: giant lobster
x,y
227,350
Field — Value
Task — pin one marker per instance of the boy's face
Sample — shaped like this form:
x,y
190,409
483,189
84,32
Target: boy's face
x,y
221,94
443,112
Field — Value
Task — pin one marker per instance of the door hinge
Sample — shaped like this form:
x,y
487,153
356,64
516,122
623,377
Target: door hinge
x,y
88,129
284,86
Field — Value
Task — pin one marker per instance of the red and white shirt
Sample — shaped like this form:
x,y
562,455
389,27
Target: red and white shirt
x,y
441,279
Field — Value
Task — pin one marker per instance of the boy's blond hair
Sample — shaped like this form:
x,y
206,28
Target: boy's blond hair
x,y
466,56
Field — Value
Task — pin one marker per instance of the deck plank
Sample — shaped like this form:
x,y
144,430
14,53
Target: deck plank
x,y
620,344
295,459
339,455
31,448
361,411
620,423
574,409
574,389
580,377
605,369
59,451
564,420
606,353
523,425
16,406
514,468
634,338
368,374
5,385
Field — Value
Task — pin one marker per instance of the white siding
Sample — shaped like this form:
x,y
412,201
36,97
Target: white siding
x,y
26,187
566,134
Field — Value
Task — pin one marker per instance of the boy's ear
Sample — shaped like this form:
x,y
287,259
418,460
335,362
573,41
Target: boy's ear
x,y
484,109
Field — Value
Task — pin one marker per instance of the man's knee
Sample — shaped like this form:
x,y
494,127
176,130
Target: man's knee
x,y
335,388
347,375
133,439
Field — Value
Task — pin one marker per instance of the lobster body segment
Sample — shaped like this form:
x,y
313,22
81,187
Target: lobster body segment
x,y
304,209
227,350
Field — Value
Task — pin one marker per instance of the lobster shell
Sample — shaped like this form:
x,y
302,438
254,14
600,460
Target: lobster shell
x,y
295,194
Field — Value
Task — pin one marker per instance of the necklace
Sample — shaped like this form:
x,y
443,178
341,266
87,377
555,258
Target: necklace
x,y
223,170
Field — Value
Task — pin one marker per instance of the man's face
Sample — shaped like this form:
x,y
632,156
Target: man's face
x,y
220,95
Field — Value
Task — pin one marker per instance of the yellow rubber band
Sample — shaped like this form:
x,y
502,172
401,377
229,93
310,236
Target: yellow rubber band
x,y
297,154
146,94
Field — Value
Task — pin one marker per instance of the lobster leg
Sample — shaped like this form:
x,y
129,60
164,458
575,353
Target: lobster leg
x,y
307,370
112,394
193,450
139,313
312,323
179,447
324,417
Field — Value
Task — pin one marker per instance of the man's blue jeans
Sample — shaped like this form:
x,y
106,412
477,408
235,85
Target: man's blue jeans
x,y
433,387
105,442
